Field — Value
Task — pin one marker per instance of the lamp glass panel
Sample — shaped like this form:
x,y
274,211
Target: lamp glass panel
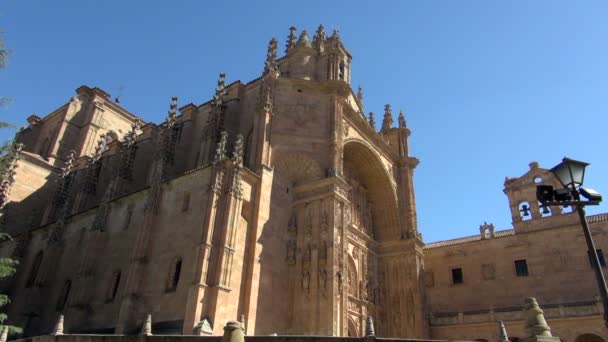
x,y
578,171
570,172
562,172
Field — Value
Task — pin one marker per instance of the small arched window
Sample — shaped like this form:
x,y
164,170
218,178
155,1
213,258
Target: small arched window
x,y
31,280
341,72
524,211
545,211
65,294
113,288
174,274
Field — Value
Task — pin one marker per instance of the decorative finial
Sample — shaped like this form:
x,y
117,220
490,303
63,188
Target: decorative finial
x,y
131,136
58,330
536,325
146,328
233,332
98,149
401,119
360,95
237,156
318,41
336,34
220,151
502,332
371,120
304,40
271,57
242,321
171,117
387,122
4,335
291,40
220,90
69,164
369,327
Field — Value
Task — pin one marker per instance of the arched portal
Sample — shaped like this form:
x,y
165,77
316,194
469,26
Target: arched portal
x,y
373,198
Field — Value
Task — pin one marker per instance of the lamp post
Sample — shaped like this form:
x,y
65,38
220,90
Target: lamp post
x,y
571,174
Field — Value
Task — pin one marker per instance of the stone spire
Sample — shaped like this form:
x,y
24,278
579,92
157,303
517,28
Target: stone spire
x,y
536,325
291,39
220,151
172,114
369,327
502,332
62,197
371,120
58,330
220,90
318,41
336,35
271,57
237,155
146,328
360,96
387,122
8,178
304,40
401,119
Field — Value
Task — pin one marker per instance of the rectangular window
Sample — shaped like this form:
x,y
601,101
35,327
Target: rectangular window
x,y
456,275
521,268
600,256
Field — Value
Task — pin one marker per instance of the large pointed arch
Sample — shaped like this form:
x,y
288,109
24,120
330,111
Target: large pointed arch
x,y
377,181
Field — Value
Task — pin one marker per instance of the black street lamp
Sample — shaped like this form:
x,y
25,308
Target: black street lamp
x,y
571,174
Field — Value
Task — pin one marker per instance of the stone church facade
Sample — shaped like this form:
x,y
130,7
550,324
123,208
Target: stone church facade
x,y
277,203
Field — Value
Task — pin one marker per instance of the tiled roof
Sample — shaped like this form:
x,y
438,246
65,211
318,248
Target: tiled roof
x,y
597,218
497,234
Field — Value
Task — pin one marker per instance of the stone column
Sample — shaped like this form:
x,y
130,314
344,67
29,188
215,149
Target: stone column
x,y
400,284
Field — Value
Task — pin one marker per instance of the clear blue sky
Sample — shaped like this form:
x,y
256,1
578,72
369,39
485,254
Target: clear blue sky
x,y
487,86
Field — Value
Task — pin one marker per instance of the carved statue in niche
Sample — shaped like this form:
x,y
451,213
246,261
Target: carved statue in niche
x,y
323,280
291,252
324,223
355,252
396,309
292,226
323,252
352,281
308,226
306,257
306,280
409,303
371,292
362,290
